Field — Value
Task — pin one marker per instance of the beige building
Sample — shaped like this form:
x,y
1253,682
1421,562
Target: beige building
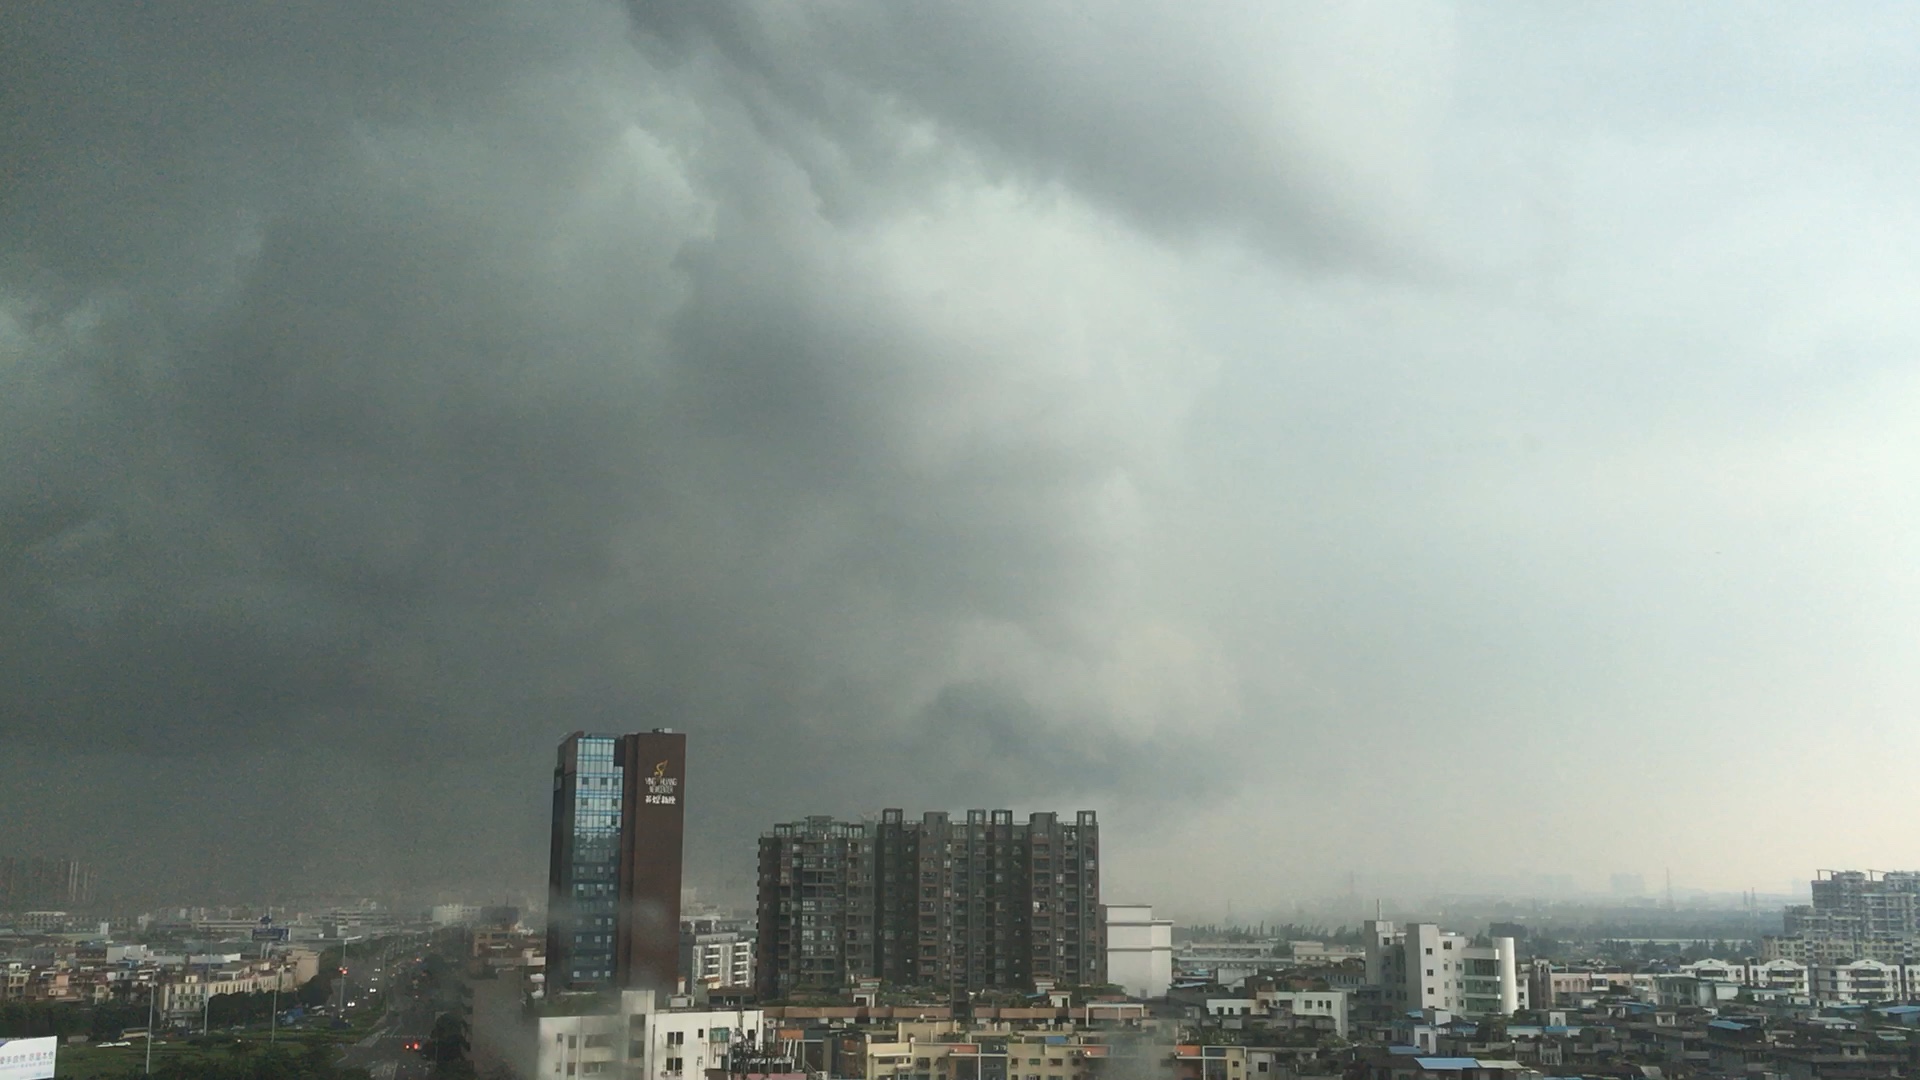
x,y
184,995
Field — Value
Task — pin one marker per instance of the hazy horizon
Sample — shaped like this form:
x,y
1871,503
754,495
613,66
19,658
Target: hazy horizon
x,y
1420,442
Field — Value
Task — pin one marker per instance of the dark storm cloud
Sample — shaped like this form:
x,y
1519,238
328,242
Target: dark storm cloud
x,y
943,405
1213,118
390,390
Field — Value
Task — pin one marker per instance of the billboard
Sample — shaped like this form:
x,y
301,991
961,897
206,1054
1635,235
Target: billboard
x,y
270,933
27,1059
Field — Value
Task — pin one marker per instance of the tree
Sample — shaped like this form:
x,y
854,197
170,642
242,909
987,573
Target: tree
x,y
225,1010
318,990
448,1038
108,1019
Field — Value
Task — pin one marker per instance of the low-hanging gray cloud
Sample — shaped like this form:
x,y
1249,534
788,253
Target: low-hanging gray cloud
x,y
397,390
1203,413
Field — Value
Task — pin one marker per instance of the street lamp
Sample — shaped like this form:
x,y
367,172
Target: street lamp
x,y
153,989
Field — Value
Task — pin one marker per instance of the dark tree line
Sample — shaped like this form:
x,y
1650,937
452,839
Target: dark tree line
x,y
228,1010
448,1041
313,1061
35,1019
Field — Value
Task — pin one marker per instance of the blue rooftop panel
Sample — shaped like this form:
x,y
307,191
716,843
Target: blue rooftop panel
x,y
1446,1064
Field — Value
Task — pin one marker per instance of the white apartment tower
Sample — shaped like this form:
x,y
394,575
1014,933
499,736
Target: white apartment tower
x,y
1139,950
1420,966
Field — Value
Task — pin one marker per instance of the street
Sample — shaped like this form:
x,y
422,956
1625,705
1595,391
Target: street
x,y
383,1052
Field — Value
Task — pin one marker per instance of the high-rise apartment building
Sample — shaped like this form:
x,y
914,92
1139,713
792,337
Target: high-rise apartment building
x,y
1855,915
613,908
983,902
30,883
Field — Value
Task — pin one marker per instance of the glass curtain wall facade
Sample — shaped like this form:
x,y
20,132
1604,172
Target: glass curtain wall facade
x,y
583,879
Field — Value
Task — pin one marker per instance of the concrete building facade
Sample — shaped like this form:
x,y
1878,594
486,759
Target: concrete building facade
x,y
638,1041
716,959
1139,950
957,905
1855,915
1421,966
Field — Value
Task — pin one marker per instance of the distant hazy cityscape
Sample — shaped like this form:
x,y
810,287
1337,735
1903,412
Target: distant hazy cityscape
x,y
900,947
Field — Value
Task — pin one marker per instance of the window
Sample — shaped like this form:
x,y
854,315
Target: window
x,y
673,1065
679,1038
573,1041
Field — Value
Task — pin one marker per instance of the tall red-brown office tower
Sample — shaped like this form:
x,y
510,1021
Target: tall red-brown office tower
x,y
613,913
652,818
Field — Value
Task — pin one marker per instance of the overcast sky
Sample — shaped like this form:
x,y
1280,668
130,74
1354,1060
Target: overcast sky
x,y
1393,440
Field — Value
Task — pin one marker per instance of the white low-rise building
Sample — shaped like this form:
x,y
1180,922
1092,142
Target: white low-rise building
x,y
1421,966
1289,1007
641,1041
454,914
1752,974
1282,1008
1864,982
1320,952
1139,950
